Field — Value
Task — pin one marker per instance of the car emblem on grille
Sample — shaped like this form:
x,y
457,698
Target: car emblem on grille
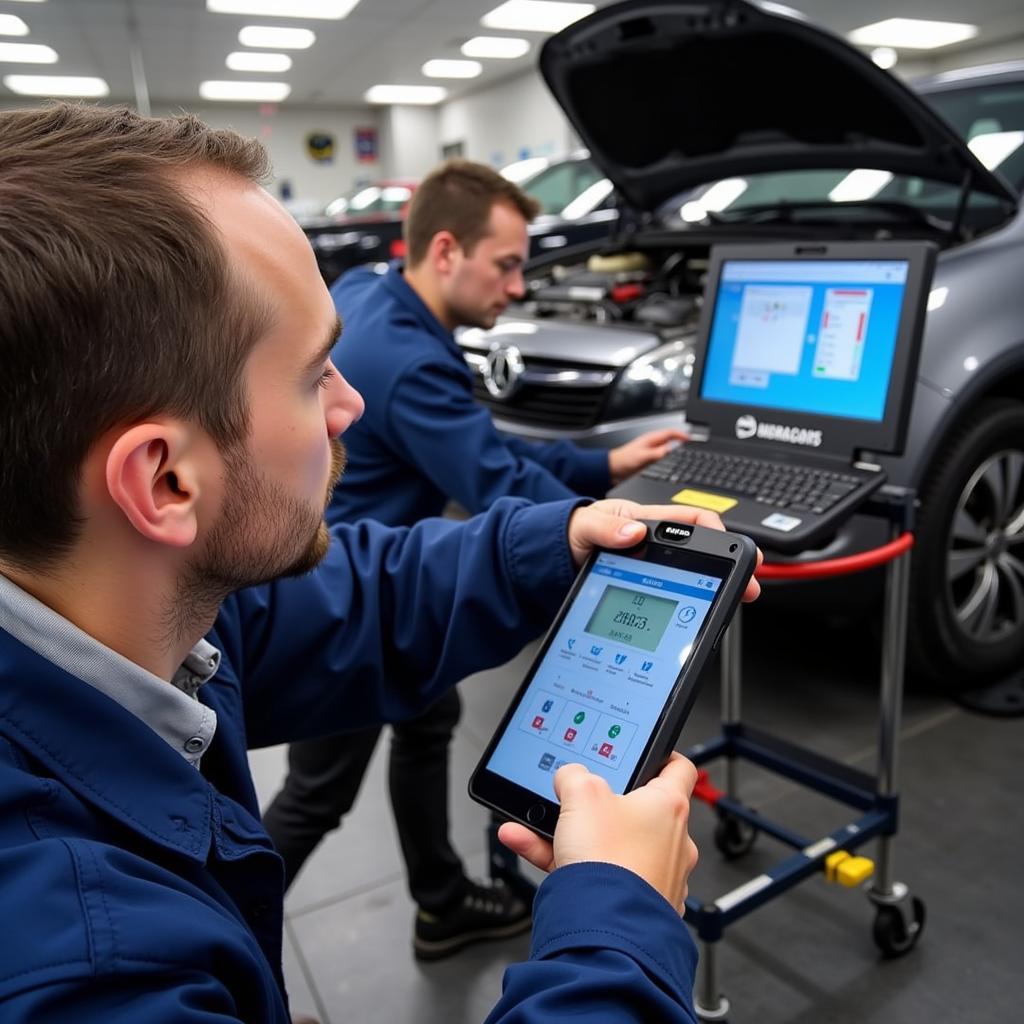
x,y
502,370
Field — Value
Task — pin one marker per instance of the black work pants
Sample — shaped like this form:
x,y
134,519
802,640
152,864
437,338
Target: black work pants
x,y
324,776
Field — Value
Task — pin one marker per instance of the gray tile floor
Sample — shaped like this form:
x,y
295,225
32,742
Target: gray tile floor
x,y
806,957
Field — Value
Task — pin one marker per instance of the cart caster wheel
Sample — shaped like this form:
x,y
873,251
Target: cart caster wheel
x,y
733,837
891,934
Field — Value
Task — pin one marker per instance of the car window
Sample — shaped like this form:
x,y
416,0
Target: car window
x,y
557,186
371,199
991,118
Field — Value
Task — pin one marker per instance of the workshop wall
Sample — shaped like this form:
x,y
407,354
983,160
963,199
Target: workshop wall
x,y
315,172
510,120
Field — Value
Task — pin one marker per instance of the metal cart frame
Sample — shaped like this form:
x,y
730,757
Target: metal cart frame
x,y
899,916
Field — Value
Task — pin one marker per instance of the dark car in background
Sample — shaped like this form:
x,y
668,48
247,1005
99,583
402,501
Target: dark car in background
x,y
764,127
362,226
578,203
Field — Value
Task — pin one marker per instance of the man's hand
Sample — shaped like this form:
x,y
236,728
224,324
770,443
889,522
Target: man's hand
x,y
612,523
644,831
630,458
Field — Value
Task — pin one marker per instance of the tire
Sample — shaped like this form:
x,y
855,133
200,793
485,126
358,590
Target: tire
x,y
966,616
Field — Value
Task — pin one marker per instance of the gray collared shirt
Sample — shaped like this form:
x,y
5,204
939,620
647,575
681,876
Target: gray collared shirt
x,y
173,712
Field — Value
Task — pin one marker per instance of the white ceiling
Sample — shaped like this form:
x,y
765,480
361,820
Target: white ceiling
x,y
181,44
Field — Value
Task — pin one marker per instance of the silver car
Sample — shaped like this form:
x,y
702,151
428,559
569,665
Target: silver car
x,y
767,127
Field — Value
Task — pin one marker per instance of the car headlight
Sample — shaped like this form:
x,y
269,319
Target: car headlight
x,y
656,382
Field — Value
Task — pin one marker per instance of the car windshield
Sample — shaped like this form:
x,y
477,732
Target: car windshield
x,y
569,188
371,199
989,116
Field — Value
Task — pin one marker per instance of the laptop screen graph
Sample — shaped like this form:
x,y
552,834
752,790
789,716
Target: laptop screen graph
x,y
807,336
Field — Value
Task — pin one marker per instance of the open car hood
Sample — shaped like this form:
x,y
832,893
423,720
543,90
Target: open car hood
x,y
669,95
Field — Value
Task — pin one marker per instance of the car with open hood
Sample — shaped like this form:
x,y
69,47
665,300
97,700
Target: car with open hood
x,y
749,123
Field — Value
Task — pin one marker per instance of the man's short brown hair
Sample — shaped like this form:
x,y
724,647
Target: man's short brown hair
x,y
458,197
116,301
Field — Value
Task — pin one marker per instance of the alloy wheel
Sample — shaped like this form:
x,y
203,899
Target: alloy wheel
x,y
985,556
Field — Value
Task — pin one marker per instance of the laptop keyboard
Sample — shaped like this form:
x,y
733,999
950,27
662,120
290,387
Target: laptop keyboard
x,y
774,483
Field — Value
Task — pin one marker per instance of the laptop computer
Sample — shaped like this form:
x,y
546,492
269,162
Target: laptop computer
x,y
805,364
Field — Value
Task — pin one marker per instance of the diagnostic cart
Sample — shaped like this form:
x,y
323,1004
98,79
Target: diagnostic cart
x,y
899,914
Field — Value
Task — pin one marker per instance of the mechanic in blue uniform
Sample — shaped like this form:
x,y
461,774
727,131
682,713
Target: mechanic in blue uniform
x,y
170,594
425,440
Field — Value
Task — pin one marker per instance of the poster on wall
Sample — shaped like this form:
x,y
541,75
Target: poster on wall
x,y
320,147
366,144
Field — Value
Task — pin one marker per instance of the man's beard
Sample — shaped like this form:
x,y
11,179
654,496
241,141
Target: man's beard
x,y
465,316
262,534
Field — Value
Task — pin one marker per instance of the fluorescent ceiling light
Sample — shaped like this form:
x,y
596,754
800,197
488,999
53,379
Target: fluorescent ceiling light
x,y
452,68
535,15
913,33
425,94
992,148
859,185
496,47
27,53
329,10
12,25
269,92
243,61
56,85
270,37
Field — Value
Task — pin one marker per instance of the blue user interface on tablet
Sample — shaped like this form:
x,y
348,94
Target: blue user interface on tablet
x,y
601,687
809,336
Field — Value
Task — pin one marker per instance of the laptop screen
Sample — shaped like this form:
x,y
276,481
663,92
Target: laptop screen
x,y
808,336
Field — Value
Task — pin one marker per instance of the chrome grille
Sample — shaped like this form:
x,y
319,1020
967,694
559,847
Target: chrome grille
x,y
551,392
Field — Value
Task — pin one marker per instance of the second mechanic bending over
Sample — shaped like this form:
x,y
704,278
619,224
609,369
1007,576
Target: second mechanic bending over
x,y
425,440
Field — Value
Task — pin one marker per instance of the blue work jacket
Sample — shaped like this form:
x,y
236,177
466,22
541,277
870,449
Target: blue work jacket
x,y
423,438
136,888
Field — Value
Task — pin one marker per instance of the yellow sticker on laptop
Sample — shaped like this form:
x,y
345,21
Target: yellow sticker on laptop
x,y
701,499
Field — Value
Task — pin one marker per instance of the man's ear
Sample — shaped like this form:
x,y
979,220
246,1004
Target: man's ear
x,y
153,474
443,249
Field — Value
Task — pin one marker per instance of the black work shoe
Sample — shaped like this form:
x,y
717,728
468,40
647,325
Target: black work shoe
x,y
485,912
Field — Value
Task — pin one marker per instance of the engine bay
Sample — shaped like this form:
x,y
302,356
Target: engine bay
x,y
630,287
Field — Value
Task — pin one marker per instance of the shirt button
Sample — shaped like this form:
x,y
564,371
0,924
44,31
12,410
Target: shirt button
x,y
195,744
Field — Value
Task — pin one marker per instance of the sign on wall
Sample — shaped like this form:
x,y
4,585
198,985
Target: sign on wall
x,y
366,144
320,147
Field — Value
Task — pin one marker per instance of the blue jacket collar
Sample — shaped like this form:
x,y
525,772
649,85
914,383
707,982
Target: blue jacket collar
x,y
394,281
103,753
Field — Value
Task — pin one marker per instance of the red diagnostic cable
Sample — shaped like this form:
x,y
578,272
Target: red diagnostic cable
x,y
837,566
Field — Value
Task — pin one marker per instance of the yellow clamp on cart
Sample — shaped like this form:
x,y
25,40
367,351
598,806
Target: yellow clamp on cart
x,y
848,870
